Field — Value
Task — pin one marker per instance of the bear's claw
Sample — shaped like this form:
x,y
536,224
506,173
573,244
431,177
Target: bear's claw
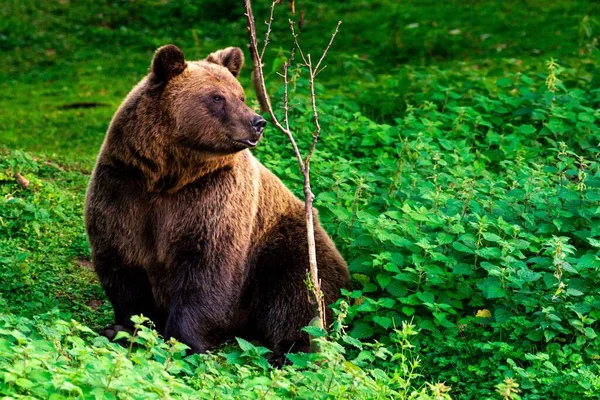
x,y
111,331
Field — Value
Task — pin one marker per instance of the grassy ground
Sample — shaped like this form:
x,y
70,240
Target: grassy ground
x,y
457,182
58,54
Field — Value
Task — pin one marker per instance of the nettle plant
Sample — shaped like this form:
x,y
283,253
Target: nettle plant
x,y
51,358
480,223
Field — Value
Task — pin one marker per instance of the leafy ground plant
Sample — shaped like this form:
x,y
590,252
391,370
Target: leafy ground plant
x,y
51,358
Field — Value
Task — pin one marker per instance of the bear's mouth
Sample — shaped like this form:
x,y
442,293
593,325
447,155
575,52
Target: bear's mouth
x,y
249,142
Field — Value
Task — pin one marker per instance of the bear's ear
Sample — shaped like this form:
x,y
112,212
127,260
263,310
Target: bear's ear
x,y
167,63
231,58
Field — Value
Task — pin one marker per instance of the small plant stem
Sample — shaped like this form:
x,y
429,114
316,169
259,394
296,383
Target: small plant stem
x,y
168,360
131,342
332,376
357,194
113,373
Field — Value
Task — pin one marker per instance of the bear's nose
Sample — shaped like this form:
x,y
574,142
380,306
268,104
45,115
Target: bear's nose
x,y
259,123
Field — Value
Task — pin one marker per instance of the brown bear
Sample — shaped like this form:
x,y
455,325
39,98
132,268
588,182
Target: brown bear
x,y
188,228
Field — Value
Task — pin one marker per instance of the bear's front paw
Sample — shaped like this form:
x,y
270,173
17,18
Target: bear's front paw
x,y
111,331
278,360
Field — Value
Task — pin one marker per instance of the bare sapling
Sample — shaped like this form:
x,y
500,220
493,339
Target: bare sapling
x,y
314,68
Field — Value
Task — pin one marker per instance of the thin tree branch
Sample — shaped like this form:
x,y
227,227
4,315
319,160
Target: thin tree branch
x,y
257,61
260,87
286,68
313,73
315,114
261,94
265,44
591,10
321,70
295,36
328,46
312,254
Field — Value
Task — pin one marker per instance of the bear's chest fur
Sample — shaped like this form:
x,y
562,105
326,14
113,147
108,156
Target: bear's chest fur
x,y
215,212
210,222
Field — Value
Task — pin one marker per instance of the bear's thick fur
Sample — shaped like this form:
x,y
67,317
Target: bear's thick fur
x,y
187,227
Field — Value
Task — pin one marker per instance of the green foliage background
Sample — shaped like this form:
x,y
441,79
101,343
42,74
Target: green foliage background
x,y
458,173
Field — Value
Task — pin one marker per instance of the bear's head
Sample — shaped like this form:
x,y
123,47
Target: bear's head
x,y
204,101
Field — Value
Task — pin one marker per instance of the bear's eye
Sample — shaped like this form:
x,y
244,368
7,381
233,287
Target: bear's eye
x,y
217,98
243,99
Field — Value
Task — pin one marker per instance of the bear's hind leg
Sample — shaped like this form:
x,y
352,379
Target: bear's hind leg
x,y
282,303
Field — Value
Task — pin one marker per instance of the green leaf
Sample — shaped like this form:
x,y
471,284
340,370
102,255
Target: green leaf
x,y
397,215
391,268
492,288
397,289
574,292
550,366
527,129
352,341
502,315
122,335
549,335
368,141
525,275
426,297
69,387
491,237
327,197
383,280
461,247
315,331
462,269
235,357
24,383
300,360
589,333
535,336
245,345
385,322
588,261
408,310
503,82
489,253
361,330
369,288
386,302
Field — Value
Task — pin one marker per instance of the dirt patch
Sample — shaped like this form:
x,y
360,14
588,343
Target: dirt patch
x,y
82,105
85,263
95,304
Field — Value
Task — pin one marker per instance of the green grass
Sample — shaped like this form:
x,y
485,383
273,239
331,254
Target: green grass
x,y
462,188
60,53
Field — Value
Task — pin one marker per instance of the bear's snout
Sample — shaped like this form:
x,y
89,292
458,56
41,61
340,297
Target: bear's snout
x,y
259,123
252,136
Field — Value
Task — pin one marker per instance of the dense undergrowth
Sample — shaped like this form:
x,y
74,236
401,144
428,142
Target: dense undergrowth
x,y
463,188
